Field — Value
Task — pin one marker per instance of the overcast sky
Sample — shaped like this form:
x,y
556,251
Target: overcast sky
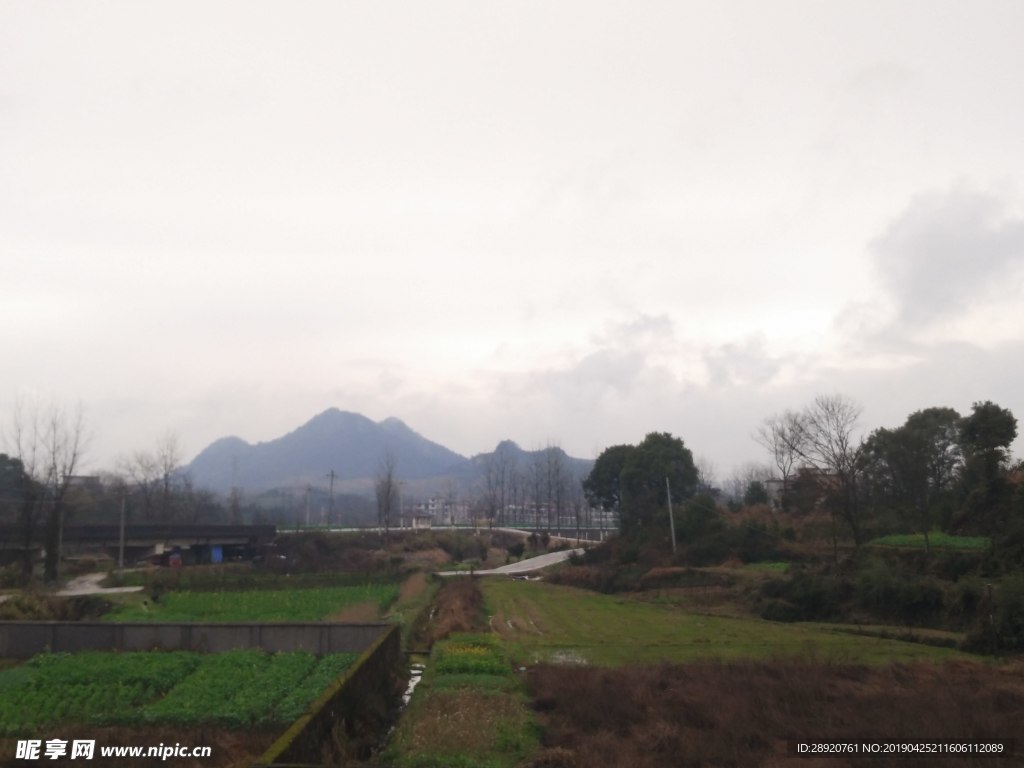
x,y
574,222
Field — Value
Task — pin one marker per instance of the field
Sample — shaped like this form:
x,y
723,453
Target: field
x,y
936,539
744,714
545,622
469,711
236,689
312,604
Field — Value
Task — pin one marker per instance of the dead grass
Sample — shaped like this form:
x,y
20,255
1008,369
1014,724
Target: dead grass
x,y
463,721
358,612
458,607
744,714
413,587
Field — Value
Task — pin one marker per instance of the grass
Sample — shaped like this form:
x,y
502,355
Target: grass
x,y
545,622
468,712
266,605
936,539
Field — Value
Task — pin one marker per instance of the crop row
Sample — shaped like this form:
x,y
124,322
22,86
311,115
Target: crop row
x,y
264,605
469,655
236,689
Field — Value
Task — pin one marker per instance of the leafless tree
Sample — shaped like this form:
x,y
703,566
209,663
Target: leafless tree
x,y
499,470
706,472
822,437
555,483
781,436
742,476
168,461
387,492
49,441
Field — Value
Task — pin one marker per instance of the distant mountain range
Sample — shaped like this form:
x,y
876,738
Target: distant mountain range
x,y
353,447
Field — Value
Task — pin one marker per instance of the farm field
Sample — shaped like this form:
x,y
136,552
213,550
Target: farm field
x,y
312,604
469,710
236,689
542,622
936,539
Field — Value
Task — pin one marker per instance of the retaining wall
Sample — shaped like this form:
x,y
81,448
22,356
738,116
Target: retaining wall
x,y
366,686
24,639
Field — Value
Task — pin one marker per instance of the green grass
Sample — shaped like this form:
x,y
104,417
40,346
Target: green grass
x,y
936,539
237,689
469,711
267,605
564,624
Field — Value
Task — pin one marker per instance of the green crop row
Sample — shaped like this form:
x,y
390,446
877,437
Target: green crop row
x,y
236,689
469,655
267,605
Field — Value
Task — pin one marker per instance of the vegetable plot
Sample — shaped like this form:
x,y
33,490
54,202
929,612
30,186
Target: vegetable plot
x,y
236,689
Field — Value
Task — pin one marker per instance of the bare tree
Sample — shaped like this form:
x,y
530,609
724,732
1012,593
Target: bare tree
x,y
739,481
822,438
781,435
555,483
168,462
387,492
706,472
49,442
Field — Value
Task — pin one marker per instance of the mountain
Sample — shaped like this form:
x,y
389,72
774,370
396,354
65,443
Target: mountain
x,y
349,444
353,447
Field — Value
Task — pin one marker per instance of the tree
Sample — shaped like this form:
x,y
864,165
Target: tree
x,y
49,442
756,493
781,436
20,498
387,492
499,470
632,478
601,486
985,438
822,438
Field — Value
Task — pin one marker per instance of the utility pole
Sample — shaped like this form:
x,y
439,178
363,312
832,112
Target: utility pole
x,y
120,546
671,519
330,513
308,490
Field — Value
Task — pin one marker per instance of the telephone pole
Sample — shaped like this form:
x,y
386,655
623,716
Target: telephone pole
x,y
330,513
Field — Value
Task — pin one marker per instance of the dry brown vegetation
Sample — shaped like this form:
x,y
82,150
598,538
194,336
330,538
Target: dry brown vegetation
x,y
745,714
458,607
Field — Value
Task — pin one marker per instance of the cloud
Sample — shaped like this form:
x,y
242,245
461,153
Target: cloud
x,y
947,254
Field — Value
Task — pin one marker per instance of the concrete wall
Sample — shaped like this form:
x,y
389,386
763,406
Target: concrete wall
x,y
23,639
366,691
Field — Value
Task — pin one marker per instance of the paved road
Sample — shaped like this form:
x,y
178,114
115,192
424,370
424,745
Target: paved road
x,y
523,566
89,584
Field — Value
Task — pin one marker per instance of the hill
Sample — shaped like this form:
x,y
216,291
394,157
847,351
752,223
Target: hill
x,y
352,446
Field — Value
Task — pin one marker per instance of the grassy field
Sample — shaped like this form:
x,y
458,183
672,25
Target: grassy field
x,y
468,712
936,539
237,689
264,605
545,622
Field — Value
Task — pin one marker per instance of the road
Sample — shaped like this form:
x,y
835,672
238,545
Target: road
x,y
89,584
523,566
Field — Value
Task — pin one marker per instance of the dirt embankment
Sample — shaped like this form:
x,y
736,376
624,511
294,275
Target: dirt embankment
x,y
458,607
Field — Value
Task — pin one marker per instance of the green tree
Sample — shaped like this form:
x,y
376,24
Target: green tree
x,y
756,493
913,469
632,478
985,437
602,485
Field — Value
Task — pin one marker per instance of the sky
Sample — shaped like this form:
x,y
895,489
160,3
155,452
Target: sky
x,y
570,223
